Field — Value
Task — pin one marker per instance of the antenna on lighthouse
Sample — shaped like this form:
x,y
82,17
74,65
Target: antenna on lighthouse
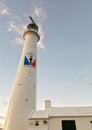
x,y
32,25
32,20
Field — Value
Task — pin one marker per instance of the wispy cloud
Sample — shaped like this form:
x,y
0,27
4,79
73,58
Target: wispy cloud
x,y
41,33
40,14
13,26
1,117
4,9
18,41
88,80
87,74
3,109
17,29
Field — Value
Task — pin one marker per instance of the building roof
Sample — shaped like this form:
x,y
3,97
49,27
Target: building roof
x,y
61,112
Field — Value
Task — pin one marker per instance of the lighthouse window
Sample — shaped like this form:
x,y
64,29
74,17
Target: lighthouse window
x,y
45,122
68,125
29,72
36,123
26,100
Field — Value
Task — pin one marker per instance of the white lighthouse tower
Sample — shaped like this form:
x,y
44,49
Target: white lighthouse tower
x,y
23,99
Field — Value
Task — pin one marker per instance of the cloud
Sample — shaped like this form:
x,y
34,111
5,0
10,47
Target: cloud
x,y
5,103
39,13
13,27
3,109
1,117
88,80
18,41
17,29
41,33
4,9
87,73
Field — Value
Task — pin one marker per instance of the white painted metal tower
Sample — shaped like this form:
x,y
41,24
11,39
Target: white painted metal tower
x,y
23,99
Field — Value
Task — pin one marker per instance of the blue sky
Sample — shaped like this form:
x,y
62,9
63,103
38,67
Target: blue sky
x,y
64,73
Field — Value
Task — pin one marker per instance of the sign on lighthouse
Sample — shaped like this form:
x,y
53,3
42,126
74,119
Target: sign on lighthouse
x,y
23,98
30,60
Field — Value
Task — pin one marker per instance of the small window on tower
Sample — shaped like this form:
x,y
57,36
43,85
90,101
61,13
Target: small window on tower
x,y
36,123
19,84
45,122
29,72
26,100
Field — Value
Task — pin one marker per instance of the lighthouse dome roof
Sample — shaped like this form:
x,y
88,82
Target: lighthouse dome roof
x,y
32,26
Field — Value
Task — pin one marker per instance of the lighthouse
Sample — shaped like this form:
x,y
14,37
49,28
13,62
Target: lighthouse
x,y
23,98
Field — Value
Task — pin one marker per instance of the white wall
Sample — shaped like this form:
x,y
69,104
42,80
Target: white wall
x,y
82,123
55,123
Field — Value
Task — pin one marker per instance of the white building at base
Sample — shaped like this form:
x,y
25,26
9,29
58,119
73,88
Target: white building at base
x,y
61,118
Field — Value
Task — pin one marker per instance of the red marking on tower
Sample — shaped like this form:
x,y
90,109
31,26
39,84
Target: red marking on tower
x,y
34,63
